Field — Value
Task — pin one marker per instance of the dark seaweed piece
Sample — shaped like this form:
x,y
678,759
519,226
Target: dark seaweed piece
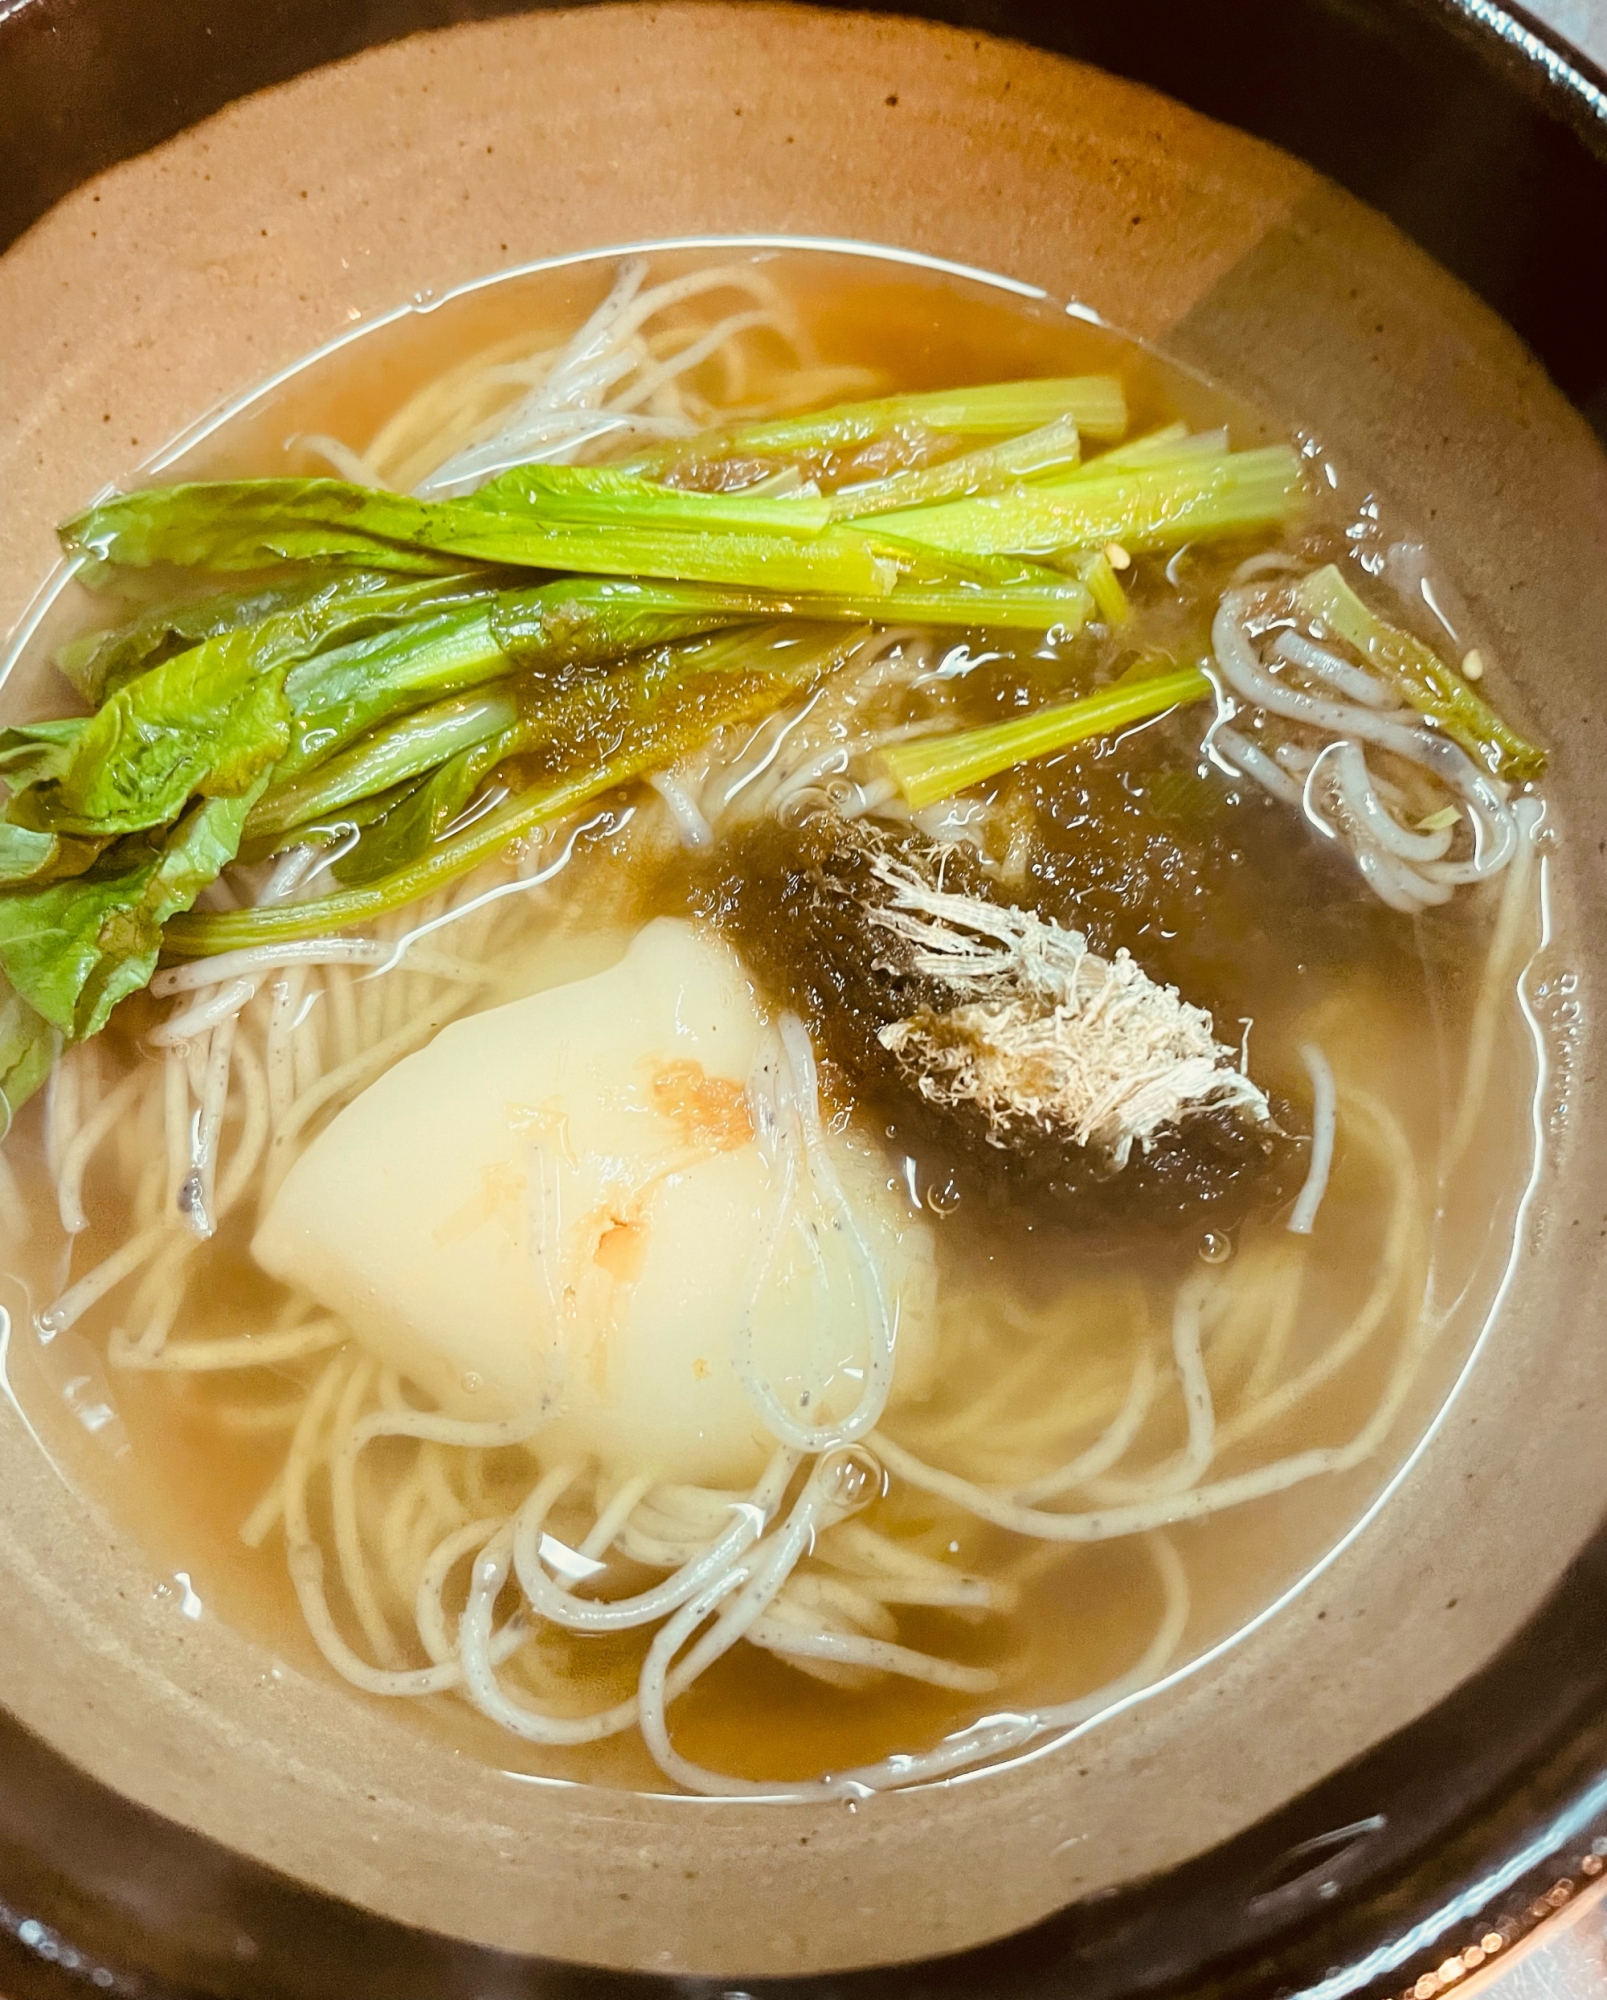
x,y
794,901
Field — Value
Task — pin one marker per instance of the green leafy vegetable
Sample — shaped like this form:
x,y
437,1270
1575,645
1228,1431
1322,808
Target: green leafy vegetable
x,y
1172,444
1094,403
29,1046
27,856
641,723
1420,677
36,753
1104,587
304,616
209,722
934,768
338,696
418,684
73,949
253,523
583,621
1141,507
419,816
603,496
554,624
565,627
387,758
1053,449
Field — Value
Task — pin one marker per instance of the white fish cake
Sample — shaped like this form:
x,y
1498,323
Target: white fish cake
x,y
557,1204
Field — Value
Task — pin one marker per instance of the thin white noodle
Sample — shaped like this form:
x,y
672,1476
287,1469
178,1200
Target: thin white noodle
x,y
1494,828
880,1655
1324,1122
250,1350
429,1611
996,1736
1514,912
1254,762
351,465
693,829
306,1562
202,972
599,1537
200,1186
85,1143
1356,683
737,1598
123,1262
749,1520
1187,1466
690,357
1272,563
205,1015
1356,787
480,1683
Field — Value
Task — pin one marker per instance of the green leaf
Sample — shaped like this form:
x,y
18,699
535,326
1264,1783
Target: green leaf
x,y
24,853
305,615
253,524
338,695
420,817
621,728
1421,677
34,753
570,625
583,621
29,1046
27,856
73,949
210,721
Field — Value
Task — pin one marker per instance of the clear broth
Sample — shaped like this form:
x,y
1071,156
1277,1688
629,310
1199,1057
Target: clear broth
x,y
1268,929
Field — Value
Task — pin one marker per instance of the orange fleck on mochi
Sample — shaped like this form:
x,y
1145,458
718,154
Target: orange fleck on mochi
x,y
711,1112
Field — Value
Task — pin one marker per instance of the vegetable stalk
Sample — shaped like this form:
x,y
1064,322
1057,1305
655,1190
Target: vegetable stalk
x,y
1096,404
1420,677
693,697
253,524
934,768
995,468
1141,507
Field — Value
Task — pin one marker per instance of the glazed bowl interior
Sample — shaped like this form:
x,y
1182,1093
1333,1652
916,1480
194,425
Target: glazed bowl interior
x,y
380,197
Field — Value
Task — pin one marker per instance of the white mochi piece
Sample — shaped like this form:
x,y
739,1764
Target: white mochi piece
x,y
556,1204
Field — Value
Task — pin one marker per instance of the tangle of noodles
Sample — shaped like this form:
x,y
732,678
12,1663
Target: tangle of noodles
x,y
785,1568
430,1554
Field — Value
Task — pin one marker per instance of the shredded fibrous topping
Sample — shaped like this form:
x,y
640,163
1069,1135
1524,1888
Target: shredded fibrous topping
x,y
1046,1032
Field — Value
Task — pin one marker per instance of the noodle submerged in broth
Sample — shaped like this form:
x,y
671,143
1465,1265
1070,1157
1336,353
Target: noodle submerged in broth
x,y
725,1054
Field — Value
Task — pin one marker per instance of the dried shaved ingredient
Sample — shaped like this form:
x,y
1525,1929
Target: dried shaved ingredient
x,y
815,909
